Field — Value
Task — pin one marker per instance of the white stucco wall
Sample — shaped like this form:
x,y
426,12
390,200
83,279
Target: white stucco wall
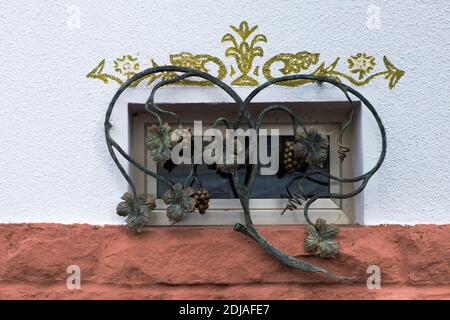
x,y
54,165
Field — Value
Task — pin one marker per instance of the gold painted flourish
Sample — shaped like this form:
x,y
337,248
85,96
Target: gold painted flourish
x,y
291,63
360,69
302,61
200,62
123,68
244,52
97,73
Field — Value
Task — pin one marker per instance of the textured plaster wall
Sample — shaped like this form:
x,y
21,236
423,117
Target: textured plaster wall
x,y
54,166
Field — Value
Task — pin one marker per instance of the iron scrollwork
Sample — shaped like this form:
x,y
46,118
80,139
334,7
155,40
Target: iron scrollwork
x,y
182,199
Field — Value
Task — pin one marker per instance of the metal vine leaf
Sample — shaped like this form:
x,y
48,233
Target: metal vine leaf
x,y
159,142
311,147
137,210
308,148
180,202
321,239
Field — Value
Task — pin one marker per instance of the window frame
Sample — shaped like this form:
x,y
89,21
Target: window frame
x,y
264,211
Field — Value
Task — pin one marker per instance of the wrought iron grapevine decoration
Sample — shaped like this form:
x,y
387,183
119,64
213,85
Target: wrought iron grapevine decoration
x,y
181,199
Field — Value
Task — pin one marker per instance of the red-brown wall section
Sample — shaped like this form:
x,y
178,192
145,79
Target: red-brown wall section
x,y
217,263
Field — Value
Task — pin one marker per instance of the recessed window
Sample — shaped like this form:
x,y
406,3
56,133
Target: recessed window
x,y
268,197
266,186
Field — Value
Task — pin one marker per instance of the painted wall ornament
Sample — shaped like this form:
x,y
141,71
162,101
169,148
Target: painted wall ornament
x,y
244,52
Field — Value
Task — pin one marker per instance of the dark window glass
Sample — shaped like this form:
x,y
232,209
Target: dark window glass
x,y
265,186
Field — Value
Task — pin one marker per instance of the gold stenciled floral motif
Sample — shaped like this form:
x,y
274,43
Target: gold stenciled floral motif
x,y
97,73
391,73
361,64
199,62
244,52
360,69
291,63
127,66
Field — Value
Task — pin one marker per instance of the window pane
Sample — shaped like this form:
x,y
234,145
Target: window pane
x,y
265,187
